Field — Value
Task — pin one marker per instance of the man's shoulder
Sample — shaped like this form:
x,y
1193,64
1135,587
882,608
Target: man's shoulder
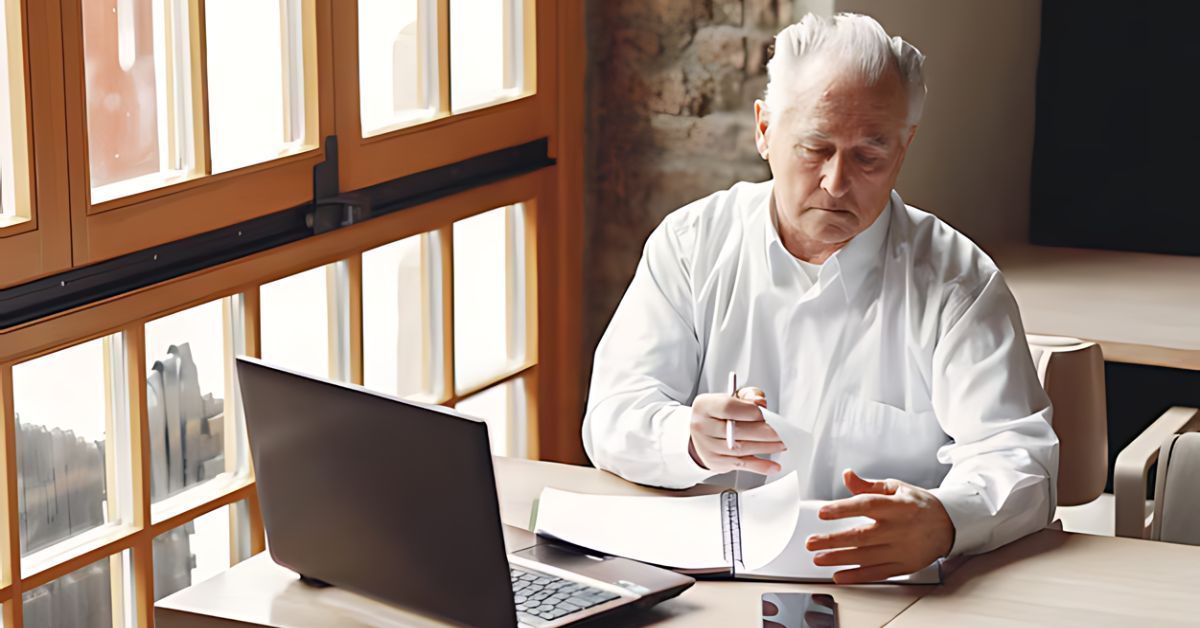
x,y
941,254
721,212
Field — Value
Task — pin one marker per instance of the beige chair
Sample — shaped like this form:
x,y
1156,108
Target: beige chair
x,y
1176,510
1072,372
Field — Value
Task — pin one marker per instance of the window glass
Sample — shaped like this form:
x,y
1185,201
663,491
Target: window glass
x,y
84,598
187,361
14,173
503,408
195,551
62,481
485,52
138,95
398,343
255,80
489,293
295,322
397,63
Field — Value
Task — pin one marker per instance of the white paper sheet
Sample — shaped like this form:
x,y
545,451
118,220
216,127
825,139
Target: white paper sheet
x,y
768,520
678,532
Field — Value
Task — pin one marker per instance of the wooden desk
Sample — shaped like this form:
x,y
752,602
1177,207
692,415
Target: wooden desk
x,y
1049,578
1056,578
1140,308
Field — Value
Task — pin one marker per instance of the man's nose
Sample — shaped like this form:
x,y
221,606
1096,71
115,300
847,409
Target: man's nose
x,y
833,176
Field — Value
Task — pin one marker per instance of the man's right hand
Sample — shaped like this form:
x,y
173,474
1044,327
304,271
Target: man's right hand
x,y
752,435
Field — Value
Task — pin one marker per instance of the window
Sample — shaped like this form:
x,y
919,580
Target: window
x,y
397,60
297,325
14,166
94,595
485,52
401,347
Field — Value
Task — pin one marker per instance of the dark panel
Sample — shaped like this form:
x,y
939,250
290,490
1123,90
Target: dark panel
x,y
1137,395
1117,147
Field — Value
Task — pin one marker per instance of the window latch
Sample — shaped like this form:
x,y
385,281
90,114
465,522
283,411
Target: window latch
x,y
336,212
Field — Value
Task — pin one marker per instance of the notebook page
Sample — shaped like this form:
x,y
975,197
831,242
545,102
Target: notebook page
x,y
677,532
768,520
795,562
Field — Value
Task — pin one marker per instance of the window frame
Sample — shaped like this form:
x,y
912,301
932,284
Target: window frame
x,y
204,202
448,137
39,244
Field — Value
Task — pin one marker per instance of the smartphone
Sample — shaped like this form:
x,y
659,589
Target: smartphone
x,y
798,610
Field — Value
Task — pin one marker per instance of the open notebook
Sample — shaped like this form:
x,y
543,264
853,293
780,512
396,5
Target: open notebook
x,y
754,534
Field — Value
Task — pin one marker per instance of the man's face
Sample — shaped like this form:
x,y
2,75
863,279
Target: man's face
x,y
834,153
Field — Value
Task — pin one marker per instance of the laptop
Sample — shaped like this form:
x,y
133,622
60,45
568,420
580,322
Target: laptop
x,y
396,500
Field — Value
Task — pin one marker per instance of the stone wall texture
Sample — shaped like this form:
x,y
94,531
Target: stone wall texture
x,y
670,90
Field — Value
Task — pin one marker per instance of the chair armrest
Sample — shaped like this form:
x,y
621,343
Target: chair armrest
x,y
1133,465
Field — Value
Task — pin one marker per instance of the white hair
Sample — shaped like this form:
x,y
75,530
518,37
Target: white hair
x,y
855,40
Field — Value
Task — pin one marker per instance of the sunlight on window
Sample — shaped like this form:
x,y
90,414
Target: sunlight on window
x,y
14,172
138,119
194,552
84,597
295,322
255,80
397,348
503,408
61,443
485,52
488,277
397,63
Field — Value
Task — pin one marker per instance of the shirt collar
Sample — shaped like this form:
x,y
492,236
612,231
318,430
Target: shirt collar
x,y
849,266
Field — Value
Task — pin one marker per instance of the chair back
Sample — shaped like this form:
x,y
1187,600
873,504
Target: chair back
x,y
1072,372
1177,491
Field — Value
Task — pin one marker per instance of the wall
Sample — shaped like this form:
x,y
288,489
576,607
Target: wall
x,y
671,85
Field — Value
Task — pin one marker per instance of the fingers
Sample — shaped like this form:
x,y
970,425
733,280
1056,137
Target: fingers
x,y
869,555
742,430
857,485
726,407
741,447
870,505
752,464
861,536
754,395
872,573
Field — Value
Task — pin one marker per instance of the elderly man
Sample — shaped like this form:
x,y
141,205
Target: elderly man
x,y
873,326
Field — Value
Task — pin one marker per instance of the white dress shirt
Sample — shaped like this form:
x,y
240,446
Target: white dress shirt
x,y
905,359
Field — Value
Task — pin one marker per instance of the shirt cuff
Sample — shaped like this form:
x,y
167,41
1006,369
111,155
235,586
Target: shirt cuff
x,y
970,514
681,470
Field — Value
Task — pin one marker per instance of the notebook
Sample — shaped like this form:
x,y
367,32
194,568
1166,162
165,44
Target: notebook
x,y
749,534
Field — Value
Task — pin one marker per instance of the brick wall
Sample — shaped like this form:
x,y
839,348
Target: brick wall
x,y
671,88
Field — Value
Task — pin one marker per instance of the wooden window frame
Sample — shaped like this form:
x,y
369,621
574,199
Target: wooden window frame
x,y
39,244
448,137
206,201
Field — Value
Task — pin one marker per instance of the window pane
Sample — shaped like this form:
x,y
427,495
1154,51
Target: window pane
x,y
398,346
255,80
186,367
138,95
485,52
295,322
14,173
397,63
195,551
503,408
83,598
489,293
61,441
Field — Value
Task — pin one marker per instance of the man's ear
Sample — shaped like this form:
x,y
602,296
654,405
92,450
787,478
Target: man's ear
x,y
761,119
912,132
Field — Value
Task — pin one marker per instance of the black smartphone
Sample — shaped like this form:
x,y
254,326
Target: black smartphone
x,y
798,610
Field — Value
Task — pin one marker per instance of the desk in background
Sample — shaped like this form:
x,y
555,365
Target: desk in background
x,y
1052,578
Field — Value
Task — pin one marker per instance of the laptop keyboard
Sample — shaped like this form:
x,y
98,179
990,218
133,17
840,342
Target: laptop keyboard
x,y
542,598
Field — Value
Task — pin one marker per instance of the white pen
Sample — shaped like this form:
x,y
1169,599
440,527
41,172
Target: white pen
x,y
729,422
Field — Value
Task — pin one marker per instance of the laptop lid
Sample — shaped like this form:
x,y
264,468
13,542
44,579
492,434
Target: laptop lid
x,y
385,497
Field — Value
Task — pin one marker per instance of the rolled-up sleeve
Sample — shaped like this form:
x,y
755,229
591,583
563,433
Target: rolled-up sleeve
x,y
645,372
987,397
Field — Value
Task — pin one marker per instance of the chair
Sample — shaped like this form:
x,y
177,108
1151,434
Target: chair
x,y
1172,441
1072,372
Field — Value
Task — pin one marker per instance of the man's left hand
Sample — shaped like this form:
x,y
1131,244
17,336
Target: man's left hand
x,y
910,530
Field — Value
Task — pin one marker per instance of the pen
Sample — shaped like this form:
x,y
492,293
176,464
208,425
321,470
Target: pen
x,y
729,422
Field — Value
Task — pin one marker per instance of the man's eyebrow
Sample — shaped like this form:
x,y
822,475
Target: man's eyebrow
x,y
812,135
880,141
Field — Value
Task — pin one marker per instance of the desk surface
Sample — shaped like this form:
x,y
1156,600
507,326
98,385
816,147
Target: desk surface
x,y
1140,307
1052,578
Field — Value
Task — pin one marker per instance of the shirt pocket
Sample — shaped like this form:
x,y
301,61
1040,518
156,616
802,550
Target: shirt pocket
x,y
881,441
